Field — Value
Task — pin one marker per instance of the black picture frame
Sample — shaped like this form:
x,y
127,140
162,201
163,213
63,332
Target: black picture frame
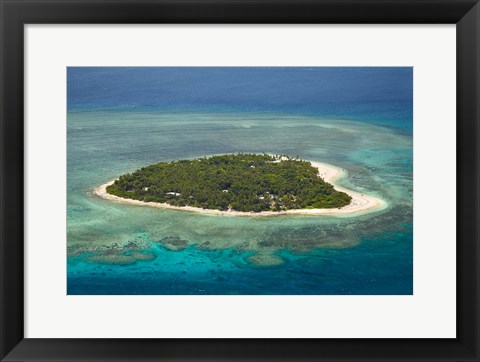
x,y
16,13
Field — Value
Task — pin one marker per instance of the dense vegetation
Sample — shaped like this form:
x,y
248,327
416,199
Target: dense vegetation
x,y
241,182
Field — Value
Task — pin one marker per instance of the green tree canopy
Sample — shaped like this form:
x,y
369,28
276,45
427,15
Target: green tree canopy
x,y
240,182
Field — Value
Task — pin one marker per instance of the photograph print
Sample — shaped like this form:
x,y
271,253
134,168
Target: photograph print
x,y
239,180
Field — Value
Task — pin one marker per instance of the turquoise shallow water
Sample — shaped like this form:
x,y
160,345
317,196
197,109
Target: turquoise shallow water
x,y
120,249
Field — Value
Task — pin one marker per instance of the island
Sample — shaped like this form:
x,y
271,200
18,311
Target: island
x,y
239,184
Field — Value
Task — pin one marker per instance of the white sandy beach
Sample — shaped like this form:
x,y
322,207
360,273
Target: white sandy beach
x,y
360,204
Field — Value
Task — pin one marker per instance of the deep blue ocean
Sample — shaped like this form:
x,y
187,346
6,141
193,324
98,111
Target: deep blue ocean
x,y
121,119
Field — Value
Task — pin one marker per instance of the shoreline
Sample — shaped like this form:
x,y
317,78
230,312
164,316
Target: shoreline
x,y
361,204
